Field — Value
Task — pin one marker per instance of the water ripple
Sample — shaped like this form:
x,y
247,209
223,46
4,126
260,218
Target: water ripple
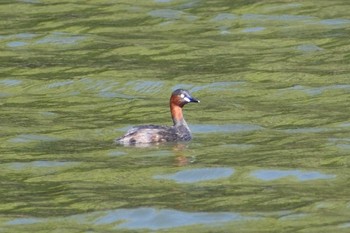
x,y
60,38
309,48
166,14
269,175
38,164
21,221
10,82
25,138
154,219
198,174
224,16
317,90
254,29
335,22
229,128
14,44
260,17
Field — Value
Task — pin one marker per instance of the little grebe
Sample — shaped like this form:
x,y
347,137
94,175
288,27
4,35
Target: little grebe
x,y
154,133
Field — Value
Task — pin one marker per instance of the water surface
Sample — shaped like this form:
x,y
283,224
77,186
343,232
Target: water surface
x,y
271,134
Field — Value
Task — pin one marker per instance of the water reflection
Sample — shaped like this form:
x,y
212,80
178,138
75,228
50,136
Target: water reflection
x,y
335,22
345,225
269,175
277,18
10,82
23,221
60,84
317,90
53,38
16,44
213,86
146,86
60,38
25,138
198,175
38,164
340,142
224,16
309,48
229,128
254,29
154,219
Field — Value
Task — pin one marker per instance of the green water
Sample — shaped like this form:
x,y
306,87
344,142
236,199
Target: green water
x,y
271,135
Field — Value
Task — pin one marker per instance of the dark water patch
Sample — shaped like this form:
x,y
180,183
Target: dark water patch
x,y
269,175
198,175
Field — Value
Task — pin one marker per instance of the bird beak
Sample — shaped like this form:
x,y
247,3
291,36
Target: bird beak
x,y
194,100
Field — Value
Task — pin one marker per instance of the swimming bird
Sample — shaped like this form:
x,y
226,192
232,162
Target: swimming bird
x,y
147,134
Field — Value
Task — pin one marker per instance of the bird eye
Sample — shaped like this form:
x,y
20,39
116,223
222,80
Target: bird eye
x,y
182,95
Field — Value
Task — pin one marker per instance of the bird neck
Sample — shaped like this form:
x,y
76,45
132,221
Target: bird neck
x,y
176,114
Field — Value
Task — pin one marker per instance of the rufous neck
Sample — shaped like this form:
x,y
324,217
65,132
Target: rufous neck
x,y
176,114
